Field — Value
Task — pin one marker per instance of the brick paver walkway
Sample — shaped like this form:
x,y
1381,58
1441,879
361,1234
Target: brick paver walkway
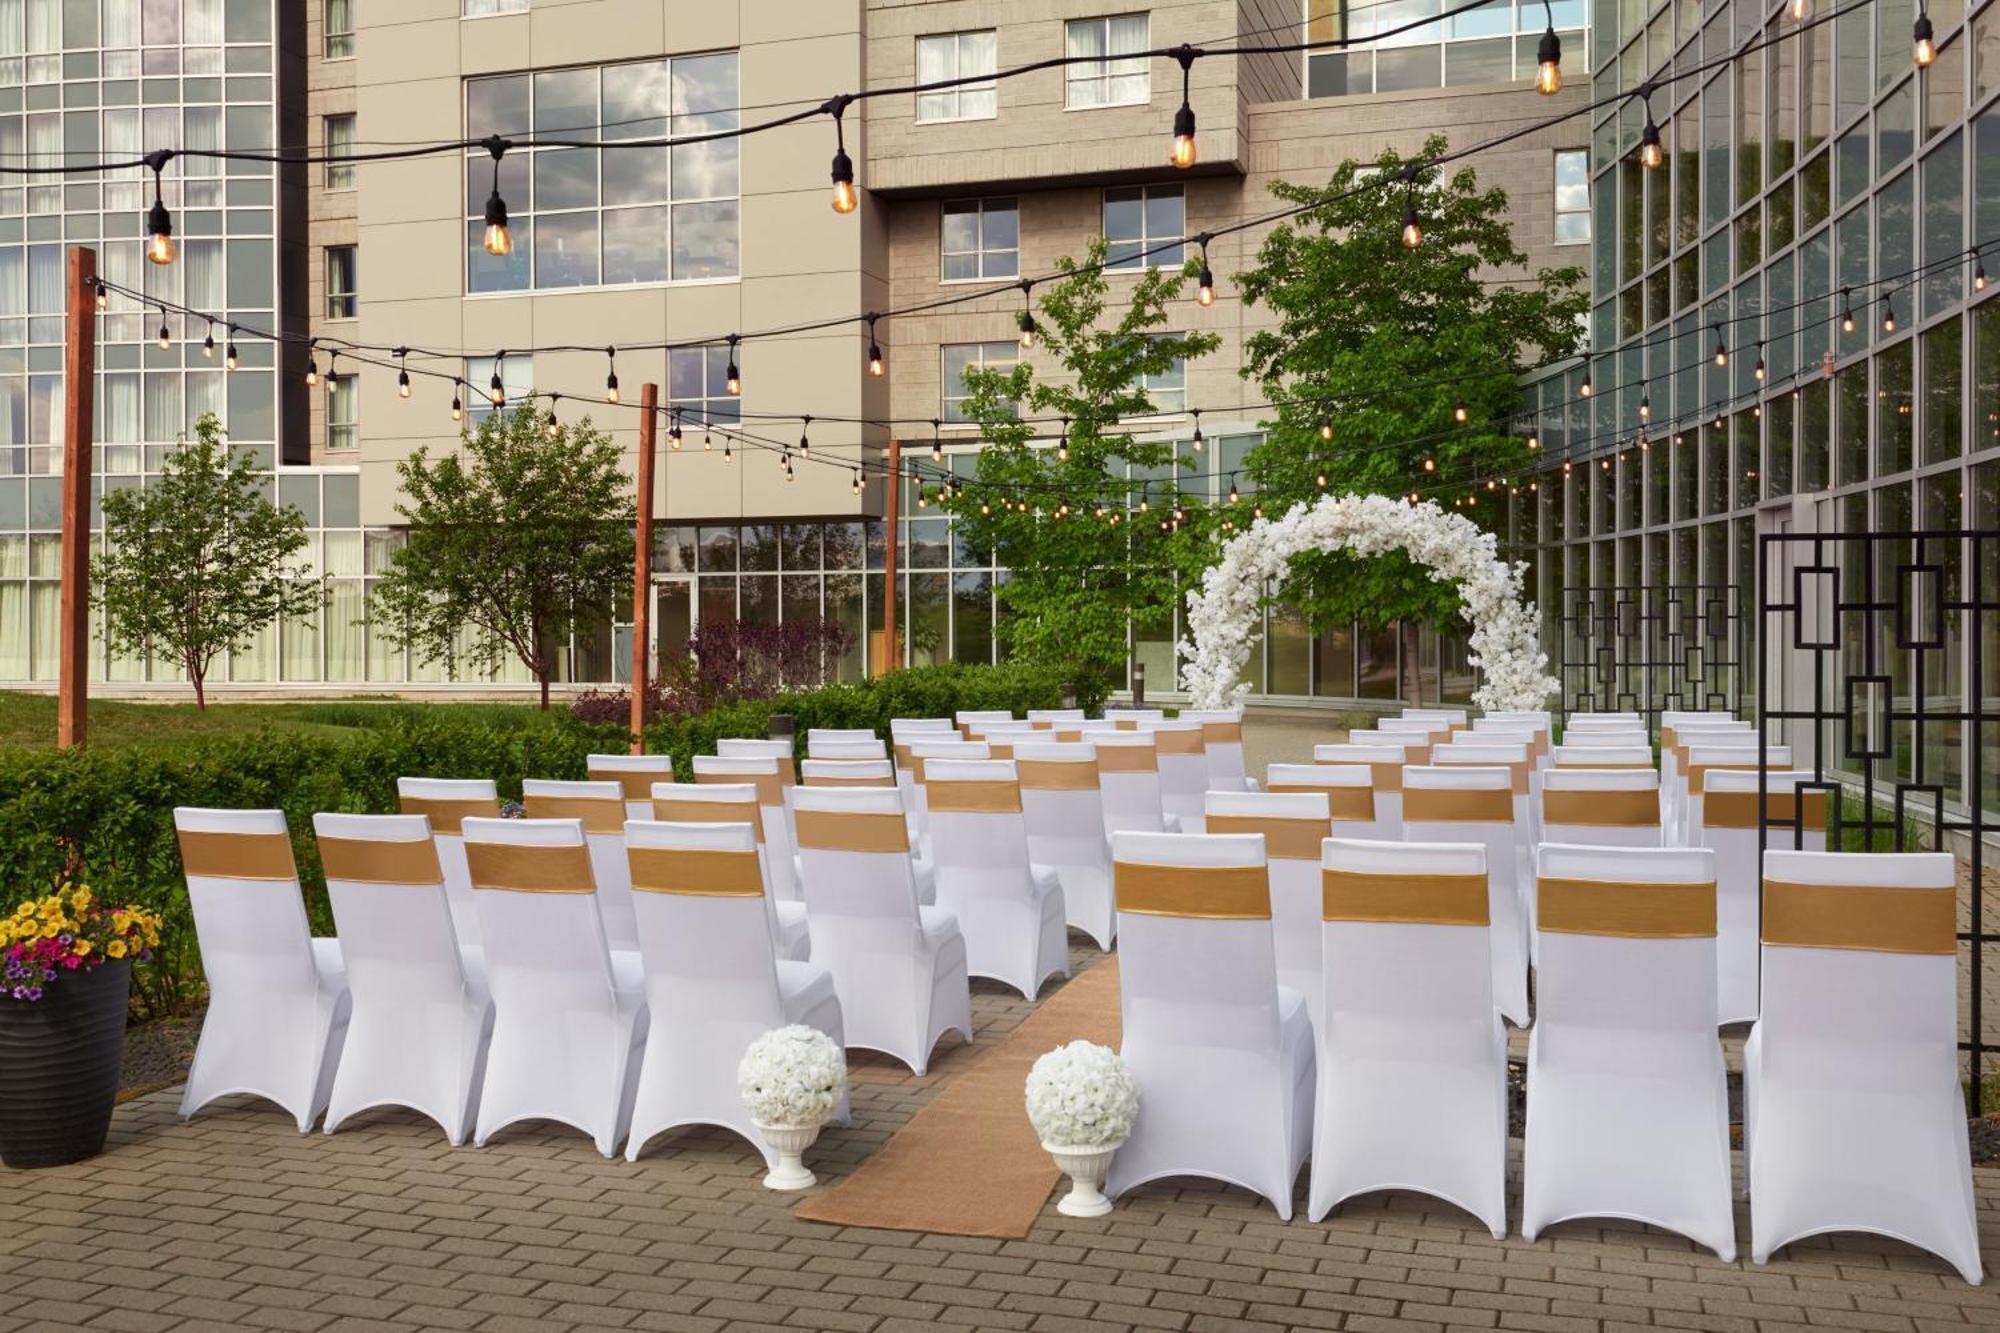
x,y
237,1221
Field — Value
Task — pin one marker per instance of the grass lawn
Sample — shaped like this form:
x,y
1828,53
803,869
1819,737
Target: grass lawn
x,y
29,720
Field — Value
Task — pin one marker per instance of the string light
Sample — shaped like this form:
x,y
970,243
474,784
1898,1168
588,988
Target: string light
x,y
1645,402
1027,319
552,427
1197,430
103,294
1978,273
733,378
402,372
674,430
1650,153
159,223
611,374
1430,464
312,362
229,360
208,341
937,444
874,350
1721,348
1458,413
1798,8
1846,312
805,445
1758,369
856,486
498,240
1584,390
497,389
332,372
845,197
457,399
1062,442
1924,42
727,457
1182,153
1548,57
166,338
1888,313
1204,293
1326,430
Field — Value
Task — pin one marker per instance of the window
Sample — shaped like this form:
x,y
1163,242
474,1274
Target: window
x,y
957,55
339,142
1140,218
1167,388
1111,72
517,377
698,384
339,26
961,357
479,9
581,217
1573,196
342,288
981,239
342,404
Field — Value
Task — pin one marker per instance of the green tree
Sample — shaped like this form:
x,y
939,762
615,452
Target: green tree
x,y
515,541
1082,520
199,561
1386,346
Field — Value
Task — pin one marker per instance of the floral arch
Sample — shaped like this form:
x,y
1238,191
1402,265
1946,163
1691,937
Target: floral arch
x,y
1223,615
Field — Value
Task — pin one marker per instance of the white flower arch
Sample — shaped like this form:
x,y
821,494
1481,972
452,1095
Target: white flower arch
x,y
1224,615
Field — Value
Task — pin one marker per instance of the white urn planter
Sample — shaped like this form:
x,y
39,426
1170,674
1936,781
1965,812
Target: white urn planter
x,y
790,1143
1086,1169
792,1080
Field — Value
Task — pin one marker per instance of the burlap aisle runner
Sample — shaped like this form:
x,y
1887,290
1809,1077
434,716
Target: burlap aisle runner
x,y
969,1164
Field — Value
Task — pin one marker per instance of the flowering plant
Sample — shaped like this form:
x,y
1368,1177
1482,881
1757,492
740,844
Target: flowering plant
x,y
68,931
1224,613
792,1076
1082,1096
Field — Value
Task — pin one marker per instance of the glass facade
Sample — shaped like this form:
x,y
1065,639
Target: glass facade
x,y
1494,43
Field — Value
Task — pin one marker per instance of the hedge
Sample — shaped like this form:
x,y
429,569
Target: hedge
x,y
107,815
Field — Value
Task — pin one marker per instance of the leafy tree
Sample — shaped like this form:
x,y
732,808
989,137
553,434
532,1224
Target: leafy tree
x,y
514,542
1082,521
1386,345
196,563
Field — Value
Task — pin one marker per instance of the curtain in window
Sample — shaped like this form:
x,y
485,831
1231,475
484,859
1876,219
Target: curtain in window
x,y
344,638
253,663
13,628
12,28
45,614
163,418
203,20
121,409
44,25
121,23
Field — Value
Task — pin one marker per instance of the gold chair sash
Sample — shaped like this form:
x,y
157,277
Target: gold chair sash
x,y
379,861
599,814
682,811
237,855
835,780
1457,805
1071,735
998,796
1127,759
770,788
1220,893
1586,763
1874,918
1127,723
1738,809
503,865
1284,838
900,752
852,831
1601,808
999,750
1057,774
788,771
446,815
1179,740
636,784
1221,733
1429,900
1344,803
1383,774
708,872
1632,910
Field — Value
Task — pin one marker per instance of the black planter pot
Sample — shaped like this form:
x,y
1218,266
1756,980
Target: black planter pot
x,y
59,1063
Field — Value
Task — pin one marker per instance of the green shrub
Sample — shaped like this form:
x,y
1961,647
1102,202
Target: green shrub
x,y
106,816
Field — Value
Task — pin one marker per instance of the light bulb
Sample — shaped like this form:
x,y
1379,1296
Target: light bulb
x,y
1027,325
1205,292
208,342
499,241
1650,153
874,360
1924,41
402,384
1182,154
1548,64
159,233
1798,8
229,360
1413,230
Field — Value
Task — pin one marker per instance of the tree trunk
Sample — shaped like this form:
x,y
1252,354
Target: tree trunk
x,y
200,694
543,677
1413,664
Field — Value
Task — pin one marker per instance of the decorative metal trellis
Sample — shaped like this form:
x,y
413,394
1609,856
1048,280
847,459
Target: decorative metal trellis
x,y
1873,663
1652,649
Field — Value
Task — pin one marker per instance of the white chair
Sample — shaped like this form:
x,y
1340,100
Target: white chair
x,y
758,747
1674,761
1133,719
910,778
767,774
1293,825
1183,767
1608,721
1349,790
847,773
1062,809
278,1002
1223,1054
899,967
737,803
1606,807
1535,733
1009,909
1601,756
1465,804
1732,814
913,726
872,747
1048,717
1607,737
1627,1105
1456,719
421,1014
837,735
569,1014
1412,1056
600,807
1000,738
1854,1115
1222,738
636,774
968,718
1128,778
1417,733
448,802
1702,761
1385,762
711,976
1519,761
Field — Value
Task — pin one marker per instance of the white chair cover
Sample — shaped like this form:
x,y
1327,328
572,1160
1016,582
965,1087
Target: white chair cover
x,y
1854,1114
711,976
600,806
1607,736
1535,733
636,774
1385,758
1054,715
761,747
1349,790
570,1015
899,967
768,773
837,735
1602,756
447,802
1128,718
421,1015
278,1002
1705,761
1420,733
871,747
1063,811
1731,816
1009,909
1222,737
1454,718
1412,1056
1613,721
1000,738
1128,778
910,759
1627,1106
1519,761
847,773
1223,1054
1293,825
1609,807
1183,765
737,803
969,719
1468,804
901,726
1673,761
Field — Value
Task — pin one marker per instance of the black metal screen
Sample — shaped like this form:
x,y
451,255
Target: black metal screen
x,y
1878,661
1652,649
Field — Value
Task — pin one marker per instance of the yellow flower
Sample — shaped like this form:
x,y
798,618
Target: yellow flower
x,y
114,949
82,947
25,909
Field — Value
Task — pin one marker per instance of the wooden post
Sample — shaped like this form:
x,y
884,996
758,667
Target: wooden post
x,y
79,383
891,660
642,563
